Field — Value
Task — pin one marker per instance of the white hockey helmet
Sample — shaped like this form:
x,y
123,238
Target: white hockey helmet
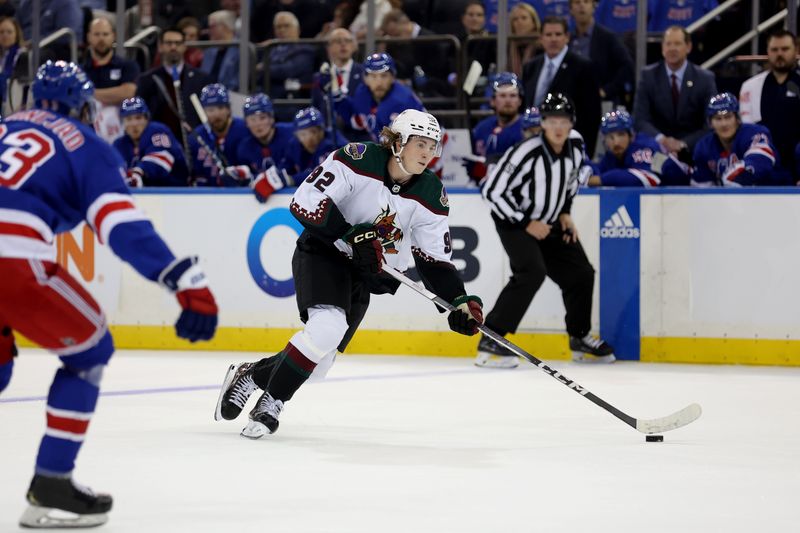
x,y
412,122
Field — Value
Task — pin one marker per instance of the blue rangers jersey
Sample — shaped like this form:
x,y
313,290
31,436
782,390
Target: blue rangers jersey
x,y
364,113
643,165
74,176
259,157
750,162
204,171
491,139
666,13
298,163
618,16
158,153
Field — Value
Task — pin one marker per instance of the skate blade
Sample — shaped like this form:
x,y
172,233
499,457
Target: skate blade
x,y
225,384
581,357
36,517
254,430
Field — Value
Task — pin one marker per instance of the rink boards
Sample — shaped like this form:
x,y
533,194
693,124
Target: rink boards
x,y
684,275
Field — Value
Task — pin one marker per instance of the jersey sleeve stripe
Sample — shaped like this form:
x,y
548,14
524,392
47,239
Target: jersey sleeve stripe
x,y
648,179
24,219
163,159
109,210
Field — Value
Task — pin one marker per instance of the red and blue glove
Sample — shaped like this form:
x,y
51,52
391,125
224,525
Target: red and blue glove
x,y
367,248
268,182
8,350
198,319
468,314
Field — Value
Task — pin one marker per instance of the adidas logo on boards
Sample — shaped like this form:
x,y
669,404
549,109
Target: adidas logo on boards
x,y
619,226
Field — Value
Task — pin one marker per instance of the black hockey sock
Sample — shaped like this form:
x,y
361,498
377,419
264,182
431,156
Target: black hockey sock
x,y
291,371
263,369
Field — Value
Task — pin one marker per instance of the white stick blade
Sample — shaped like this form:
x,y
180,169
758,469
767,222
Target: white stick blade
x,y
198,107
685,416
472,76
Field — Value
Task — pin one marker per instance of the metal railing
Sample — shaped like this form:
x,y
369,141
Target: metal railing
x,y
738,43
52,38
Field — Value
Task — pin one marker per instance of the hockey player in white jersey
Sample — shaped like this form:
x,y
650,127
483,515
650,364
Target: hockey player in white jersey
x,y
365,205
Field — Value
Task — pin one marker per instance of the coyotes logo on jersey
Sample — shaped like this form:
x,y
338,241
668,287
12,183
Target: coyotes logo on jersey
x,y
388,231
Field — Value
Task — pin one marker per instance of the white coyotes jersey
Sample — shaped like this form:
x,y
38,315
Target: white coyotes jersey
x,y
354,178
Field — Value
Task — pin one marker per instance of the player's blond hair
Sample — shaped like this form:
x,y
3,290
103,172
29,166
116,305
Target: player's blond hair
x,y
388,137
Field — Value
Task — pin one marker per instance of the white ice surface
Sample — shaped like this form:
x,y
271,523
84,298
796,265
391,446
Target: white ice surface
x,y
420,444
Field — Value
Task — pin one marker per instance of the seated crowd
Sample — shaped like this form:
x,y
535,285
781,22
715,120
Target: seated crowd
x,y
673,128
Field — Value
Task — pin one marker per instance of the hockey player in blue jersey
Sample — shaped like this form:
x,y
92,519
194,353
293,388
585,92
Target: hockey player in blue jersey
x,y
733,154
494,135
379,99
224,133
265,147
531,122
151,152
634,160
310,146
56,174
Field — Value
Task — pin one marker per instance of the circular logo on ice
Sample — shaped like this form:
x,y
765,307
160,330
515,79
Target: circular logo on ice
x,y
619,226
266,222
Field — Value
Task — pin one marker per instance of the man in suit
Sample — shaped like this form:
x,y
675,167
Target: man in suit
x,y
347,75
559,70
222,62
158,88
612,62
672,95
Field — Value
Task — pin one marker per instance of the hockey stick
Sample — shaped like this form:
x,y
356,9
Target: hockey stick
x,y
676,420
331,129
468,87
176,84
215,156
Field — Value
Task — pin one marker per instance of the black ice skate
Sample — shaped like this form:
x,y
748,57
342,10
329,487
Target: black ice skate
x,y
236,389
263,417
591,350
491,354
57,502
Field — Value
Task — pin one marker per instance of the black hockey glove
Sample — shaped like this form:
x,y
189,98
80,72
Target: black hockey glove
x,y
467,315
367,248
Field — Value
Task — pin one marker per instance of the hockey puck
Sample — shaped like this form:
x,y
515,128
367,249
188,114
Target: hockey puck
x,y
654,438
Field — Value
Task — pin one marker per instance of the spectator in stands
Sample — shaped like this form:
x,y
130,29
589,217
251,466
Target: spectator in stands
x,y
264,148
114,78
359,25
291,66
221,63
525,24
772,99
10,50
618,16
222,135
342,13
733,154
473,24
310,145
190,27
312,14
672,96
347,76
53,15
426,64
634,160
166,88
152,154
613,65
379,99
665,13
563,71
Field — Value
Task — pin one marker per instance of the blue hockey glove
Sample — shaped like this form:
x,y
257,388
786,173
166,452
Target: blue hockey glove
x,y
198,319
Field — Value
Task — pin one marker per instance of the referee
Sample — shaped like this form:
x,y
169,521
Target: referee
x,y
530,191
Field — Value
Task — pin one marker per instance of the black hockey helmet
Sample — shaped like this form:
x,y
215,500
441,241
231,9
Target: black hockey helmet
x,y
557,105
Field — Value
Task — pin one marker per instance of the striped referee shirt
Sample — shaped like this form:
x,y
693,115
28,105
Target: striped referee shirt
x,y
531,182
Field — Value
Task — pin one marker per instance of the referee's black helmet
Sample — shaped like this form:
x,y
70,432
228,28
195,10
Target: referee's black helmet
x,y
557,105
